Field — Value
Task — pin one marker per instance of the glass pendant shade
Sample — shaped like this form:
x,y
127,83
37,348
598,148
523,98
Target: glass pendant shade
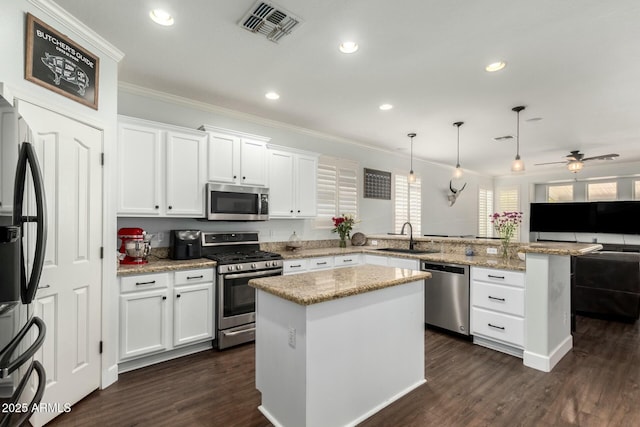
x,y
517,165
411,177
457,172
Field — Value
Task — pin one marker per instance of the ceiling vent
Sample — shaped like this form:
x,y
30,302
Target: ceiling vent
x,y
503,138
270,20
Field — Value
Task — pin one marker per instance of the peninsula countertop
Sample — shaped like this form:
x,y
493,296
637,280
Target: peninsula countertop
x,y
320,286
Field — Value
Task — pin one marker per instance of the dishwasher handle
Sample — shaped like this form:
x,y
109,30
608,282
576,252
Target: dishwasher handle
x,y
427,266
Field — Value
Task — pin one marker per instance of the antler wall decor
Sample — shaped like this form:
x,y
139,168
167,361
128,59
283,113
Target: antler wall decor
x,y
454,193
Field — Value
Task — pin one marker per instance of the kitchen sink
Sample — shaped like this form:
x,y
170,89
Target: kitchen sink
x,y
409,251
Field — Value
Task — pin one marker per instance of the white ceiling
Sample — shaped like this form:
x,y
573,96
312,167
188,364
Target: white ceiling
x,y
574,63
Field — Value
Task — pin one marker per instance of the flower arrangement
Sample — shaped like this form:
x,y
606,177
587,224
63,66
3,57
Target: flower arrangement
x,y
506,224
343,225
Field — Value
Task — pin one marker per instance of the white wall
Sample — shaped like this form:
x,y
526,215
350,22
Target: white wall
x,y
617,170
376,215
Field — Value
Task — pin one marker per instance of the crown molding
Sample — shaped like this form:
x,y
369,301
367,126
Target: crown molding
x,y
65,18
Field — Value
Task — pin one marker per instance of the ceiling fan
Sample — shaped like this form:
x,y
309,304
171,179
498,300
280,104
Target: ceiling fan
x,y
575,160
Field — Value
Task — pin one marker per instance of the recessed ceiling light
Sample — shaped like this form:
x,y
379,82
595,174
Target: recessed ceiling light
x,y
161,17
385,107
348,47
495,66
271,95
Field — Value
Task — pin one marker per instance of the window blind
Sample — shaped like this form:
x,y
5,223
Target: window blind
x,y
508,200
337,191
602,191
407,204
636,191
560,193
485,208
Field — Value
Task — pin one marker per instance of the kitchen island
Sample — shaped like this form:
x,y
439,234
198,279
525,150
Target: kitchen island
x,y
333,347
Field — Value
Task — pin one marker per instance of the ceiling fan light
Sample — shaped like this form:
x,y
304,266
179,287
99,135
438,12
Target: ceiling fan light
x,y
575,166
517,165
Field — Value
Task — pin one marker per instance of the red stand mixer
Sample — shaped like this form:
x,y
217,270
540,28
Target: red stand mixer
x,y
135,245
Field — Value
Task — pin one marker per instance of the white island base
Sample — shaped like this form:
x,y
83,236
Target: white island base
x,y
337,362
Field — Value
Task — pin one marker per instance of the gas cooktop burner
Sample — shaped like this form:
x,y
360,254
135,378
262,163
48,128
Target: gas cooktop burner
x,y
239,257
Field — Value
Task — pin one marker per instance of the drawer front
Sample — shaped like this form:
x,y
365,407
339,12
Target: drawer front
x,y
320,263
503,277
506,299
503,327
144,282
293,266
188,277
346,260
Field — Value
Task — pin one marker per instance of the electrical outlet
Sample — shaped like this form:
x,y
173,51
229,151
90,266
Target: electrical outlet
x,y
492,251
160,237
374,243
292,337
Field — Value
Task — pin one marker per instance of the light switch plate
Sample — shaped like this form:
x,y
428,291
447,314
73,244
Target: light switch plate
x,y
492,251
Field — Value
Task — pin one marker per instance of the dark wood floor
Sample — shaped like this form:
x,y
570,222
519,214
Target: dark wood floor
x,y
596,384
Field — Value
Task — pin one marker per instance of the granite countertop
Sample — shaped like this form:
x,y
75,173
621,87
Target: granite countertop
x,y
320,286
158,265
557,248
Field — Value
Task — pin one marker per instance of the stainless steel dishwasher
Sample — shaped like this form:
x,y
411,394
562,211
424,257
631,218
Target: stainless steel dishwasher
x,y
447,296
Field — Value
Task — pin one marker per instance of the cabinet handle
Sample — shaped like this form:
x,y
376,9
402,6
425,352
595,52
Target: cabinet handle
x,y
496,327
170,207
296,266
234,176
496,298
291,211
178,296
145,283
244,177
157,207
164,298
195,277
298,210
495,277
44,287
321,263
347,260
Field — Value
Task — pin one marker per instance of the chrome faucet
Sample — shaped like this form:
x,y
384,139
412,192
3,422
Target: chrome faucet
x,y
410,234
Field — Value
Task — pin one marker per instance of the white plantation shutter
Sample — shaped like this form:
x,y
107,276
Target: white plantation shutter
x,y
636,190
485,208
602,191
337,189
508,200
407,204
560,193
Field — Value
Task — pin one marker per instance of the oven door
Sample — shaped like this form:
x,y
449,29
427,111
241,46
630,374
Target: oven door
x,y
237,203
236,299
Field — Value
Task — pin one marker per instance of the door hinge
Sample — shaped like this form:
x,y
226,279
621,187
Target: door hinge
x,y
100,347
102,159
101,252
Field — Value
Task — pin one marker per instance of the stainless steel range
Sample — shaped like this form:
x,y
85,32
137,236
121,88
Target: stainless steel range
x,y
239,260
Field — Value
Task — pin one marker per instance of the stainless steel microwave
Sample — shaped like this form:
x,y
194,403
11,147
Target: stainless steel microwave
x,y
237,203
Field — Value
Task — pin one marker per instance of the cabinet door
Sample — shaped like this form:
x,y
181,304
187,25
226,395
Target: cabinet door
x,y
306,174
375,259
140,175
224,157
193,313
143,323
281,184
8,156
411,264
186,173
253,156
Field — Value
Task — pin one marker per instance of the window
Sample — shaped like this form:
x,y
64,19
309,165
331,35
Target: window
x,y
636,190
337,189
407,204
508,200
560,193
602,191
485,208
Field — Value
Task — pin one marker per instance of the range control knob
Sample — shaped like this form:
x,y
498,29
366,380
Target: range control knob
x,y
238,267
254,265
230,268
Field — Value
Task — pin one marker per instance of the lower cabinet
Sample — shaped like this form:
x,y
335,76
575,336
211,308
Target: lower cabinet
x,y
165,311
498,309
293,266
411,264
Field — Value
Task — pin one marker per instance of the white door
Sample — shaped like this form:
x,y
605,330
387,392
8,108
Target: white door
x,y
253,162
281,184
69,296
186,163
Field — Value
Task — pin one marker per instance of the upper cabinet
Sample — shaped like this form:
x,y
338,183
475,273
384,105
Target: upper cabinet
x,y
292,183
161,169
236,157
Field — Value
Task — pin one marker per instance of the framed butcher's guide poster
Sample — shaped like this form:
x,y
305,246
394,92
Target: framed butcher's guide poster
x,y
57,63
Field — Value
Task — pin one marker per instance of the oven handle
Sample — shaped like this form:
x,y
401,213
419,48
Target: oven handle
x,y
241,331
254,274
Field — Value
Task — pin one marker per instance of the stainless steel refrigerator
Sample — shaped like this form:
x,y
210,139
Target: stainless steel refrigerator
x,y
22,333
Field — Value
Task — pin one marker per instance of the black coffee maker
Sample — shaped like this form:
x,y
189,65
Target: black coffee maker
x,y
185,244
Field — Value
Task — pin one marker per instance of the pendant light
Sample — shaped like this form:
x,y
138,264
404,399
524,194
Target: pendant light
x,y
517,165
412,176
457,173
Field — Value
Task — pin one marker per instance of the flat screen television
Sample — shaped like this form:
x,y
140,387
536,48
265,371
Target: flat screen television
x,y
562,217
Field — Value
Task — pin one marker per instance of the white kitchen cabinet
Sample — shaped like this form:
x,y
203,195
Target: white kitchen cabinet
x,y
293,266
347,260
411,264
292,184
236,157
161,169
8,157
165,312
144,323
498,309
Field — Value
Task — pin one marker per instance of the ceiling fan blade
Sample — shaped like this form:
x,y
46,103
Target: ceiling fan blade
x,y
549,163
602,157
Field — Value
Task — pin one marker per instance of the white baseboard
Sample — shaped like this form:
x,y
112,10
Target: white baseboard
x,y
546,363
109,376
